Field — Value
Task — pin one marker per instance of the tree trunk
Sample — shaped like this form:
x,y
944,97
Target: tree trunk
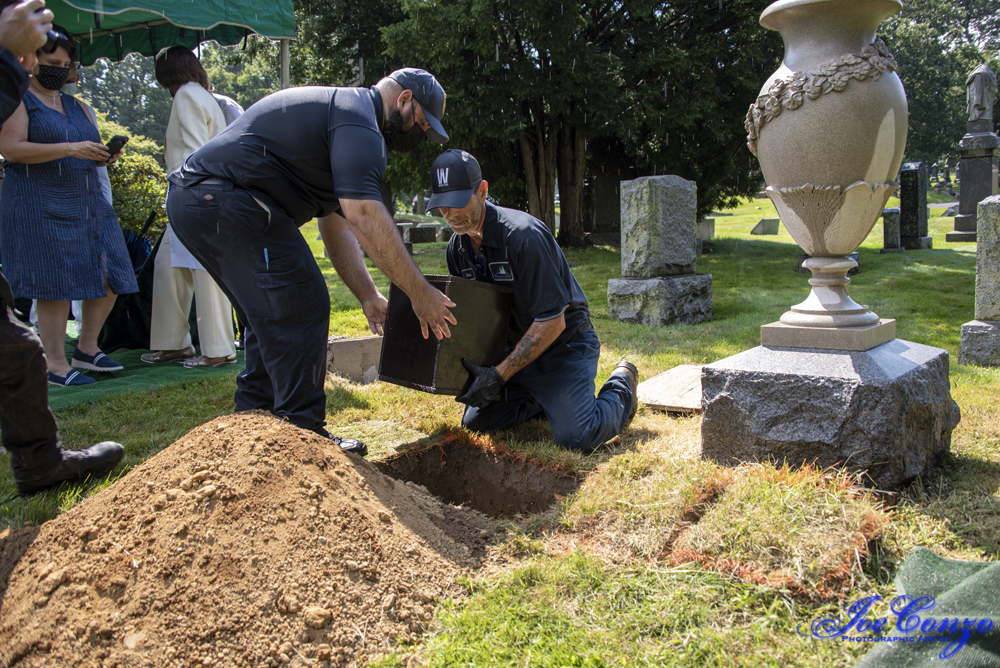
x,y
572,165
539,169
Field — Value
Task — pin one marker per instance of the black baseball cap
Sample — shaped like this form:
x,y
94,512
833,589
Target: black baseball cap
x,y
455,175
429,94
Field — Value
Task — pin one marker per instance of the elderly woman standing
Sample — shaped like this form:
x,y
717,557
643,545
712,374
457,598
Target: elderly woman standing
x,y
60,237
195,117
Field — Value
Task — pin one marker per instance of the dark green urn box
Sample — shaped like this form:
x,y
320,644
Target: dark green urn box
x,y
429,365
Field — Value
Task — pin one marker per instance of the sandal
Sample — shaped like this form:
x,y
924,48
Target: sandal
x,y
98,362
72,379
203,361
163,356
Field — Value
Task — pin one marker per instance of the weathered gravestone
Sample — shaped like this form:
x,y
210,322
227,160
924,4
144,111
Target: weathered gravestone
x,y
890,231
659,285
981,337
421,234
980,159
601,210
913,207
766,226
444,233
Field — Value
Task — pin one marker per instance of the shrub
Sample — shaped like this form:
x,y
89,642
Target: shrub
x,y
138,187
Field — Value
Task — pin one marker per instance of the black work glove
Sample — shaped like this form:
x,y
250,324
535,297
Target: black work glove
x,y
486,384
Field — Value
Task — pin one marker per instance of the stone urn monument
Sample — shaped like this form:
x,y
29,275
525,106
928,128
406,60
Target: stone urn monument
x,y
829,128
830,384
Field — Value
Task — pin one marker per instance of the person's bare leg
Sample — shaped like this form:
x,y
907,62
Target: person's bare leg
x,y
95,312
52,315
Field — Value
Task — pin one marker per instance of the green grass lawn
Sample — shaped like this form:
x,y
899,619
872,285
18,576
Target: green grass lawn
x,y
661,558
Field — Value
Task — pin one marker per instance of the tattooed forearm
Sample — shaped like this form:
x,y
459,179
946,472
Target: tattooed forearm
x,y
535,341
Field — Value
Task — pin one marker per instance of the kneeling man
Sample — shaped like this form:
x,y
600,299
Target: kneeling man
x,y
551,368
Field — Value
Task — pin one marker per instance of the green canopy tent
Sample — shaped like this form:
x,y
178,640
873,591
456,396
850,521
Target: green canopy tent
x,y
115,28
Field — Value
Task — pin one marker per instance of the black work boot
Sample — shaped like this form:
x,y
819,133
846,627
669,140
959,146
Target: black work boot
x,y
629,371
95,461
350,445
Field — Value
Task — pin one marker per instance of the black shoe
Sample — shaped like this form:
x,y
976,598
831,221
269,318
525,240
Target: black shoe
x,y
632,374
95,461
350,445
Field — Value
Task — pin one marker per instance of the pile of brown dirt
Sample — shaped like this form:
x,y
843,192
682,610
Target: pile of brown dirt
x,y
248,542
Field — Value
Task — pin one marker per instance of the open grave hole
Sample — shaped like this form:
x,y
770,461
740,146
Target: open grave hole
x,y
488,482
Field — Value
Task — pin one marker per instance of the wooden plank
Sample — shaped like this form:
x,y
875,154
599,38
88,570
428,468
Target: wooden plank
x,y
677,390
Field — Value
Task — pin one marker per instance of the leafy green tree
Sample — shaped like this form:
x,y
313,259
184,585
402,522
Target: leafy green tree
x,y
937,43
244,80
659,87
128,93
138,188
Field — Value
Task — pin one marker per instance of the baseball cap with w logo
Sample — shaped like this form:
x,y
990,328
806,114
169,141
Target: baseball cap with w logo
x,y
455,175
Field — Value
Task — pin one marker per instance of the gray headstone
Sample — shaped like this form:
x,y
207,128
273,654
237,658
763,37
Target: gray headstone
x,y
979,163
890,232
444,233
988,260
766,226
658,226
887,411
601,209
422,234
913,206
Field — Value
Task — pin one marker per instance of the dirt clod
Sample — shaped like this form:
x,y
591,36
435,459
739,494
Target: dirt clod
x,y
248,542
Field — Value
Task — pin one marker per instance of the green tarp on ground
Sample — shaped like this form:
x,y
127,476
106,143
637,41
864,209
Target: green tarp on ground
x,y
115,28
962,589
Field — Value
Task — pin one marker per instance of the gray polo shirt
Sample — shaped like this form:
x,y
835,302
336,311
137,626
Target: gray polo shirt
x,y
304,148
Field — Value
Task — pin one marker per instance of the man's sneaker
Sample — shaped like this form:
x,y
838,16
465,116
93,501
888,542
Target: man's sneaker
x,y
351,445
95,461
98,362
629,371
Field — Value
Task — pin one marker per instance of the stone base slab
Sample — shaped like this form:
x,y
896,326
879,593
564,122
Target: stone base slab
x,y
664,301
980,344
886,411
916,243
957,236
354,359
780,335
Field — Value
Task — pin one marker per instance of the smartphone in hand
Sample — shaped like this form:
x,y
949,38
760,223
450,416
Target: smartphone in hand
x,y
116,144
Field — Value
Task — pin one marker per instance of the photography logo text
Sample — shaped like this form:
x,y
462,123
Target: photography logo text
x,y
913,623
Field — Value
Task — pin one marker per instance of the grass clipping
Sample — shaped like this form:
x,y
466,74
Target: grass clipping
x,y
803,529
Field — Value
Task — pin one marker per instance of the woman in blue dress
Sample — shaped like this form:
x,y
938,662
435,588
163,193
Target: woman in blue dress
x,y
59,237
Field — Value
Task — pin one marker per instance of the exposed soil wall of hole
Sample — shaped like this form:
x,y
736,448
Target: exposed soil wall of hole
x,y
493,485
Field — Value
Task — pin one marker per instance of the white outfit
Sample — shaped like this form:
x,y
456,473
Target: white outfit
x,y
195,117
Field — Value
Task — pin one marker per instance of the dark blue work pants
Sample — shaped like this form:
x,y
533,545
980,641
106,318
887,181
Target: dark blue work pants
x,y
28,426
282,299
559,385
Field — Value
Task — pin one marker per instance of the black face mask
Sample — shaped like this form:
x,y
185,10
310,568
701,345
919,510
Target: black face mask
x,y
398,141
52,78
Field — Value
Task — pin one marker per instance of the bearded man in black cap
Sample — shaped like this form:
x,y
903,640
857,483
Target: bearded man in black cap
x,y
553,351
238,201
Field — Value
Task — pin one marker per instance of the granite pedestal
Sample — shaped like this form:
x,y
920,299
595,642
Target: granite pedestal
x,y
887,411
683,300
